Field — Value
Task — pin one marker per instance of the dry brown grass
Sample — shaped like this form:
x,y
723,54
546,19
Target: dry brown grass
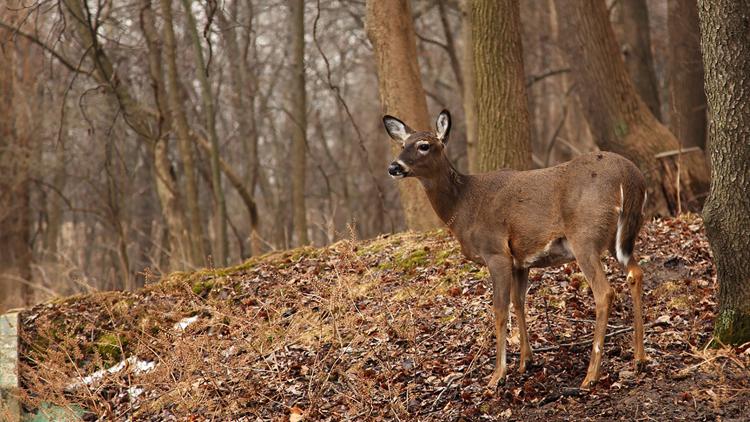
x,y
394,328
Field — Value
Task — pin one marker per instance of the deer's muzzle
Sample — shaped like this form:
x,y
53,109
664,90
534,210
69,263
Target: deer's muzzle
x,y
398,169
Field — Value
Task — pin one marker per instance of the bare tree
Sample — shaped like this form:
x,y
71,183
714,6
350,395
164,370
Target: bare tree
x,y
184,137
243,101
298,119
207,97
15,163
391,32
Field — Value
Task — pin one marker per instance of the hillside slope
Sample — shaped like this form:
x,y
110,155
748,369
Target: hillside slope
x,y
396,328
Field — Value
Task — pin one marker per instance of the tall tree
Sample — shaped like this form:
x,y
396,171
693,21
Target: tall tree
x,y
636,46
15,164
184,137
391,31
502,114
207,98
243,95
619,120
726,56
177,241
299,119
687,99
467,68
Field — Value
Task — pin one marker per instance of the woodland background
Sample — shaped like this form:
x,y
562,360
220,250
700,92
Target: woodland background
x,y
142,136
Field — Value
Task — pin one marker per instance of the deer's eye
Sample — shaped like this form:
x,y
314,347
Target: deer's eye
x,y
424,147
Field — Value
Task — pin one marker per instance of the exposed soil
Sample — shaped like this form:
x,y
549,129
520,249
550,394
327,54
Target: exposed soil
x,y
397,328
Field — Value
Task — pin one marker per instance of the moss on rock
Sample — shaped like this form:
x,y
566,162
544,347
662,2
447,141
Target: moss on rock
x,y
109,346
732,327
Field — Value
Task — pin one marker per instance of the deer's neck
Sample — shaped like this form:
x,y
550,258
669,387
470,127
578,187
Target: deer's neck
x,y
445,190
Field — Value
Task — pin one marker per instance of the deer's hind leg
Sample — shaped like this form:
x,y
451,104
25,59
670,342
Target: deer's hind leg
x,y
589,259
635,280
518,297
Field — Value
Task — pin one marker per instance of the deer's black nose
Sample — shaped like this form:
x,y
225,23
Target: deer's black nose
x,y
395,169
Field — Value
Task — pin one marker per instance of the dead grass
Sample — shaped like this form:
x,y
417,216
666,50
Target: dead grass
x,y
393,328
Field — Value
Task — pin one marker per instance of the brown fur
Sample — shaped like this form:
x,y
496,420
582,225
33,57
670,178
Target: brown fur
x,y
515,220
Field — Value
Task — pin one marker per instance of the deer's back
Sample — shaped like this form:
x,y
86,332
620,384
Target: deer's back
x,y
530,209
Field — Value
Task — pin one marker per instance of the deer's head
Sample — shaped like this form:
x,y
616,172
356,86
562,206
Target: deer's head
x,y
421,152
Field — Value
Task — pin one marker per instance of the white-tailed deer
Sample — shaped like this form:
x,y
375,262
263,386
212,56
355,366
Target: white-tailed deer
x,y
515,220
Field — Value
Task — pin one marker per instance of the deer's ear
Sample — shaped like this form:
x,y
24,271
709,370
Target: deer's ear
x,y
443,125
396,128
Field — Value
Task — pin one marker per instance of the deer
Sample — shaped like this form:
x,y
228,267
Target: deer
x,y
513,220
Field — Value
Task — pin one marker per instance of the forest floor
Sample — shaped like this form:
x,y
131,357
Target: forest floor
x,y
395,328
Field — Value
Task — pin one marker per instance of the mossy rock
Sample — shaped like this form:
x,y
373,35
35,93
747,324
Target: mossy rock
x,y
110,346
202,287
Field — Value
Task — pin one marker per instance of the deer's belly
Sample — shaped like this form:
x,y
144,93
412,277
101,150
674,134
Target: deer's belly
x,y
555,252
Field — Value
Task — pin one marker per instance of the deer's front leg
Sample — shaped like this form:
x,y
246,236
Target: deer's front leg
x,y
518,297
501,274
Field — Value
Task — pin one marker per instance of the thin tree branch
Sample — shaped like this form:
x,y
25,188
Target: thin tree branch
x,y
64,61
537,78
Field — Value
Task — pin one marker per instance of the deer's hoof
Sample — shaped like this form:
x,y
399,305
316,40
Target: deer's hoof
x,y
498,377
588,382
641,365
525,364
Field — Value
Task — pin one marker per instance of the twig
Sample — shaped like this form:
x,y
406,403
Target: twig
x,y
536,78
546,318
64,61
589,341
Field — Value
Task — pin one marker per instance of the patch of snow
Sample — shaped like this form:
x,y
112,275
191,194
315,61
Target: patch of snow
x,y
138,366
134,392
185,322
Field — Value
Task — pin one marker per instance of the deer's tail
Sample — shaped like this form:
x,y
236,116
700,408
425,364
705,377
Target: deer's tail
x,y
632,200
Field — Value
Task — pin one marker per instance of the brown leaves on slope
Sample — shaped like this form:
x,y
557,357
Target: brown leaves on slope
x,y
396,328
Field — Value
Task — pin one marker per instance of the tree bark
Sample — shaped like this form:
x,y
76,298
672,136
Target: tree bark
x,y
15,183
184,139
390,29
243,102
687,99
636,49
165,181
724,37
503,134
469,102
619,120
207,97
299,120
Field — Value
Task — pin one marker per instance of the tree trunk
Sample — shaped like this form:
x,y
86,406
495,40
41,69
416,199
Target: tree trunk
x,y
469,102
725,34
391,31
171,206
222,242
619,120
15,182
243,102
182,130
687,99
636,49
165,181
503,137
299,120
